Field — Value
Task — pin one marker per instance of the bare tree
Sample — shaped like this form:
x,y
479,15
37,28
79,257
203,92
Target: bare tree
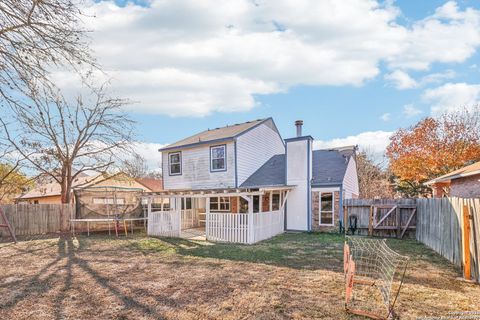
x,y
36,36
373,177
135,167
62,139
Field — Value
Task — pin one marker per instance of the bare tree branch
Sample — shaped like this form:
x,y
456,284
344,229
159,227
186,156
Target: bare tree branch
x,y
62,139
35,37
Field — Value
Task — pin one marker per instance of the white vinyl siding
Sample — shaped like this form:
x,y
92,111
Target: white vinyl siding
x,y
196,173
256,147
350,180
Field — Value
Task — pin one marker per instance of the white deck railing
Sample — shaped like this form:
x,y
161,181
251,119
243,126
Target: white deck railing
x,y
267,224
220,226
235,227
227,227
164,224
189,219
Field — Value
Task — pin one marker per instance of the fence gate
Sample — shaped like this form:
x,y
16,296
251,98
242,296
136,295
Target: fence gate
x,y
164,223
395,217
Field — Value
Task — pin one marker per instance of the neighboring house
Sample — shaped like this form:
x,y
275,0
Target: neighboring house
x,y
151,185
49,193
251,157
464,183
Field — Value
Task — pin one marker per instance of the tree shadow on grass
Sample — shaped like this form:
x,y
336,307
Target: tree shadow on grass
x,y
310,251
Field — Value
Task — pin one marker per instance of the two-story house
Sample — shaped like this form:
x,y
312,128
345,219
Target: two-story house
x,y
248,167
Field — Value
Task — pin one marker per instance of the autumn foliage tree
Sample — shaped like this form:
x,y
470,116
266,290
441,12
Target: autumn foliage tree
x,y
433,147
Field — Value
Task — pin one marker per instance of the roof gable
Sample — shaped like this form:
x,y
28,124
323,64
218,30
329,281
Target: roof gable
x,y
215,135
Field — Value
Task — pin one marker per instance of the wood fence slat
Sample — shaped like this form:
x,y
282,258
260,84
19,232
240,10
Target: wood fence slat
x,y
36,219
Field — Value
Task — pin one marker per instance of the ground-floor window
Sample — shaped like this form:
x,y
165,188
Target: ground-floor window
x,y
326,209
275,201
256,204
187,204
243,205
220,204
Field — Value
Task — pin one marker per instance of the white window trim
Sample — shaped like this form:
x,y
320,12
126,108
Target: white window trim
x,y
320,209
224,146
170,163
279,200
218,206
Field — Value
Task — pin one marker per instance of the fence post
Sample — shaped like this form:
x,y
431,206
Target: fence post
x,y
398,221
370,222
466,242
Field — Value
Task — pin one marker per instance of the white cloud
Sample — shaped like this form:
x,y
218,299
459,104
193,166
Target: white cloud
x,y
192,58
437,77
386,117
452,96
149,151
409,110
450,35
374,141
401,80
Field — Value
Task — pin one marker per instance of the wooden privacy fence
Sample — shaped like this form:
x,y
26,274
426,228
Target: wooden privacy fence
x,y
450,226
36,219
384,217
443,226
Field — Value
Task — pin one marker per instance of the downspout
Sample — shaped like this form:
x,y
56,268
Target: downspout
x,y
340,212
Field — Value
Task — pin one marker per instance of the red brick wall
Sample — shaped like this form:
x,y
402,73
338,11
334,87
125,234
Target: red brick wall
x,y
233,204
315,212
266,202
467,187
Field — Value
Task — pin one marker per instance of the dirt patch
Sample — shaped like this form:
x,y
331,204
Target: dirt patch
x,y
293,276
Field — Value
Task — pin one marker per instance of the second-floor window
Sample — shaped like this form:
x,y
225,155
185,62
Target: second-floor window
x,y
217,158
175,163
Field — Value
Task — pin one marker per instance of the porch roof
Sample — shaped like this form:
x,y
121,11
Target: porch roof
x,y
206,193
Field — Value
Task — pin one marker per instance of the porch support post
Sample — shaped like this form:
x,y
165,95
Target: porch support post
x,y
207,217
271,196
178,209
260,203
149,206
251,231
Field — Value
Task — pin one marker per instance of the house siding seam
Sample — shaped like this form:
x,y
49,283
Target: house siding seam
x,y
256,147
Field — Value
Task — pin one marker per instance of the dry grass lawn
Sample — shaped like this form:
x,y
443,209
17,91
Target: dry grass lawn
x,y
291,276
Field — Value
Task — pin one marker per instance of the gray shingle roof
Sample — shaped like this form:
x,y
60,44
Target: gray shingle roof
x,y
272,173
329,167
212,135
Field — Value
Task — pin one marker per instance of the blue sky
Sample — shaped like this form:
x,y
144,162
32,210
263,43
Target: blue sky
x,y
354,71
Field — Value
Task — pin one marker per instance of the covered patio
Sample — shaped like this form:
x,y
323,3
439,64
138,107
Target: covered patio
x,y
225,215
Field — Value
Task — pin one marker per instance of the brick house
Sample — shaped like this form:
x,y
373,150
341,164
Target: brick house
x,y
463,183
